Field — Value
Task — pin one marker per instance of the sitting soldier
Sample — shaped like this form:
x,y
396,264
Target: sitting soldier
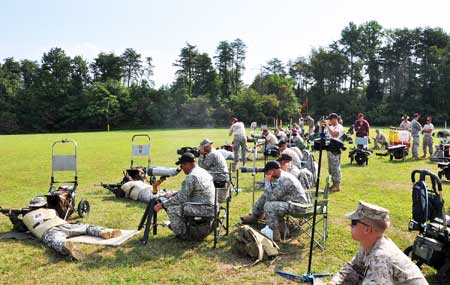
x,y
378,260
280,189
198,187
305,176
380,138
213,162
53,231
293,152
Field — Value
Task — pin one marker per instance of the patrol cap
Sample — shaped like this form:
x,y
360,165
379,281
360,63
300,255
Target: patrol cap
x,y
272,165
332,116
186,157
416,115
37,202
285,157
369,211
282,142
205,143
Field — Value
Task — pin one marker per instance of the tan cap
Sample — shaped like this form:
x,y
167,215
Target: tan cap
x,y
369,211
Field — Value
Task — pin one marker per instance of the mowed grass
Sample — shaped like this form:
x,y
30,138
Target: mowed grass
x,y
25,163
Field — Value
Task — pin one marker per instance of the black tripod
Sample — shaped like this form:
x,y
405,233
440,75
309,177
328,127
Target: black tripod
x,y
309,277
149,219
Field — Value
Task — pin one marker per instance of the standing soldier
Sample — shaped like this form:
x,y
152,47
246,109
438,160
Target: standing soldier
x,y
239,141
405,125
310,122
378,260
197,187
213,162
416,128
335,130
427,137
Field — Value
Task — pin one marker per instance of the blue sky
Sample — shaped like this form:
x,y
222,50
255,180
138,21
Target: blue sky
x,y
283,29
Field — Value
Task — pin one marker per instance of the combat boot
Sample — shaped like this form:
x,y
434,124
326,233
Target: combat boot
x,y
107,234
74,252
249,219
276,235
335,187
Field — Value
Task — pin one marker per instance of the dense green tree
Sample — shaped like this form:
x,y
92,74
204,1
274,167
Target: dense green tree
x,y
107,66
132,66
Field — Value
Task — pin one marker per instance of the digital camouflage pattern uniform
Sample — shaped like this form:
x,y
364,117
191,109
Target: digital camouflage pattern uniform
x,y
277,193
239,141
46,225
215,164
197,187
427,141
56,236
416,127
303,175
385,264
334,159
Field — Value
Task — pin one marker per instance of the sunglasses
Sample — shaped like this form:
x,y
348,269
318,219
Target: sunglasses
x,y
355,222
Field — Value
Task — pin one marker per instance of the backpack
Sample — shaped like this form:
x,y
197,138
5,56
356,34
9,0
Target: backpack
x,y
249,242
426,205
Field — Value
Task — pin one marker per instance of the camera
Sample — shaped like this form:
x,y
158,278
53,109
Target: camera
x,y
163,171
245,169
194,150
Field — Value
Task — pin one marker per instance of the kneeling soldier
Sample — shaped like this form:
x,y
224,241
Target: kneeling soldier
x,y
197,187
45,224
280,188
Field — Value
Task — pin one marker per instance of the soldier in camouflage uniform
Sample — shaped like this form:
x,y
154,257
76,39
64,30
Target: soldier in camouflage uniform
x,y
45,224
416,128
335,130
280,189
237,129
213,162
197,187
303,175
378,260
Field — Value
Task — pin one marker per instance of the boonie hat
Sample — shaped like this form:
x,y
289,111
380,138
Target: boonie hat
x,y
369,211
37,202
186,157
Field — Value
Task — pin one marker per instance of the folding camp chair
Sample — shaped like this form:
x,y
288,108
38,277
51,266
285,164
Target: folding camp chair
x,y
140,150
303,223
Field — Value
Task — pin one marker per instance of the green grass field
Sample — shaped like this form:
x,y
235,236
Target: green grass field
x,y
25,172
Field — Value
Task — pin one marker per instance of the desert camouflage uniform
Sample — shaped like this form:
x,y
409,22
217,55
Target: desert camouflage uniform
x,y
384,264
197,187
274,201
239,141
56,236
215,164
416,127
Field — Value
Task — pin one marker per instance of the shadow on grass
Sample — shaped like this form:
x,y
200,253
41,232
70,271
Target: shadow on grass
x,y
129,203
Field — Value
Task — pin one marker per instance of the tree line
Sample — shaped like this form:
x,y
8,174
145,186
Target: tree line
x,y
382,72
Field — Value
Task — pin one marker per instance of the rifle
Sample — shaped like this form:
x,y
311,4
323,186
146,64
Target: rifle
x,y
114,188
13,215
